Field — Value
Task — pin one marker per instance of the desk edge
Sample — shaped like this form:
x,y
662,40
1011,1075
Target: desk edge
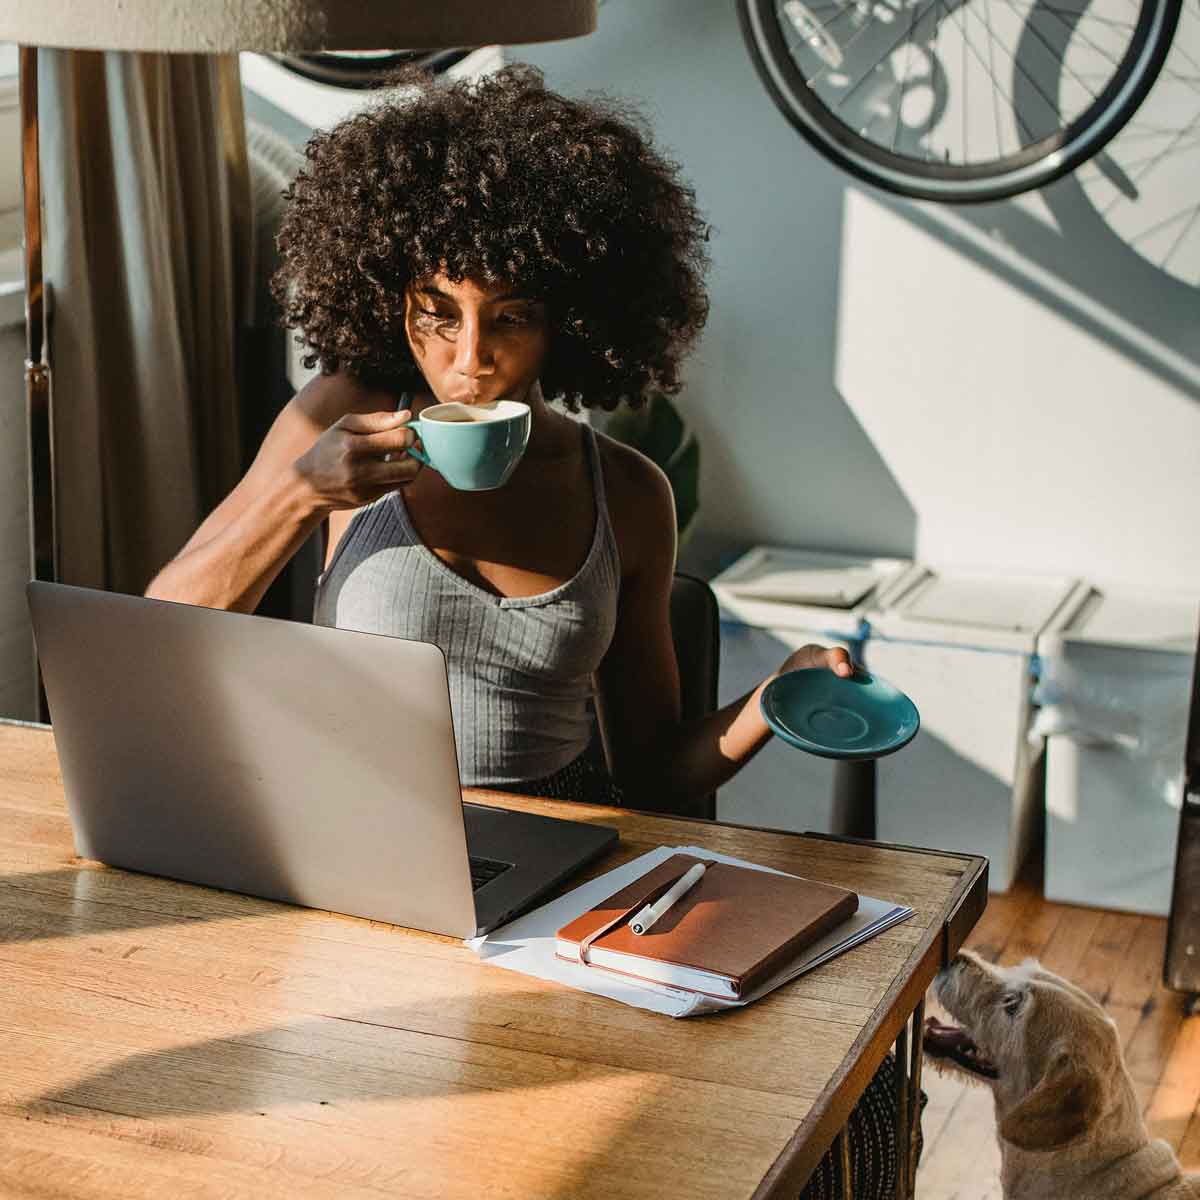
x,y
831,1109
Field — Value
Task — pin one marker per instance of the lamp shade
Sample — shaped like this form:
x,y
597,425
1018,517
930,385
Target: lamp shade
x,y
218,26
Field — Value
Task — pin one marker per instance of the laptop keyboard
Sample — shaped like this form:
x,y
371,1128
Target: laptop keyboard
x,y
484,870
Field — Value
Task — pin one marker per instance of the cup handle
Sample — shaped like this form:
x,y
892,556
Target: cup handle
x,y
419,455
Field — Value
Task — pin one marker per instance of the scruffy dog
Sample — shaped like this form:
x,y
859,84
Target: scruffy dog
x,y
1067,1118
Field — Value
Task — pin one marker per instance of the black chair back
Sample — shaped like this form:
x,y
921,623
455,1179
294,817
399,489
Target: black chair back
x,y
696,633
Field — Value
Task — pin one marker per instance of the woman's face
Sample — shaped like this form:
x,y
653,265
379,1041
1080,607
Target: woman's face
x,y
475,343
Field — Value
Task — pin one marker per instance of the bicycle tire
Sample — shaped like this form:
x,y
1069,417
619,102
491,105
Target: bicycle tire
x,y
365,73
1032,166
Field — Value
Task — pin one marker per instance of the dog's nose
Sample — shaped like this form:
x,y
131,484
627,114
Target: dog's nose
x,y
950,970
946,974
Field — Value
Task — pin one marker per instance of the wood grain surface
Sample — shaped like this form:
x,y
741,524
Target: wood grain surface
x,y
165,1039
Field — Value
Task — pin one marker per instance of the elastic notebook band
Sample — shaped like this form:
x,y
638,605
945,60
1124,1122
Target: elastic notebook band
x,y
652,895
649,898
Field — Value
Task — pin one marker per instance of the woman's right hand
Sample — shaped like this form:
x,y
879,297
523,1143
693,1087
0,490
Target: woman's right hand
x,y
359,458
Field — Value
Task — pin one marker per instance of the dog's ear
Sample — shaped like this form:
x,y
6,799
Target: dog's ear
x,y
1065,1102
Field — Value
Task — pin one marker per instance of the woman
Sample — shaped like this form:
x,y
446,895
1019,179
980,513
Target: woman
x,y
475,243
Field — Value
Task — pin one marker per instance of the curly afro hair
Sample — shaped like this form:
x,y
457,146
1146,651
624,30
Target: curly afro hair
x,y
500,180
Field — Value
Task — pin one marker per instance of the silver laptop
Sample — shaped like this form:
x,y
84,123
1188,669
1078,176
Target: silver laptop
x,y
291,761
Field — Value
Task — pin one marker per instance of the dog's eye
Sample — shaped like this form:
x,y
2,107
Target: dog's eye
x,y
1012,1002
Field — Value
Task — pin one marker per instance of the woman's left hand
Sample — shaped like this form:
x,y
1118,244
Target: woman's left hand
x,y
833,657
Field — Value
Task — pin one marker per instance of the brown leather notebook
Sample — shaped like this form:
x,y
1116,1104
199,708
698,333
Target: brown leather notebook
x,y
732,931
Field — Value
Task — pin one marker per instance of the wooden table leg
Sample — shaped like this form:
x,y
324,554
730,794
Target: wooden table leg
x,y
914,1095
902,1127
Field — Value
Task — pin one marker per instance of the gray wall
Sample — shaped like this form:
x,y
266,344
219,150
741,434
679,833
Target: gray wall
x,y
784,457
18,679
1009,384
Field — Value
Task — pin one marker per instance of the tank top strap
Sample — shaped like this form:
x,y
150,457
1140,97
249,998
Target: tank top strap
x,y
606,534
593,452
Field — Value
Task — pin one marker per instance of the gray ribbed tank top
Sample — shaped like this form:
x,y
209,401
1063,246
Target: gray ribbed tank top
x,y
520,668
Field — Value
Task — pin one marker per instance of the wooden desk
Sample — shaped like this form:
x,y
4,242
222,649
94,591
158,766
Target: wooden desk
x,y
162,1039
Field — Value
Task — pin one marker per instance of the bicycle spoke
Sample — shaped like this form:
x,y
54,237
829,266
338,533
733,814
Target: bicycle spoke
x,y
1138,132
1073,30
1156,161
966,157
1084,15
912,27
883,57
1179,240
1180,52
1050,104
1189,81
1159,226
807,39
935,46
810,39
1140,162
996,82
866,74
987,14
1050,50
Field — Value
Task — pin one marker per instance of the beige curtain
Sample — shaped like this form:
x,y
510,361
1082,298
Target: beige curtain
x,y
150,265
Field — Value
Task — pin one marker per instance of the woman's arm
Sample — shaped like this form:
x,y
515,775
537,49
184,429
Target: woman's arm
x,y
324,452
653,753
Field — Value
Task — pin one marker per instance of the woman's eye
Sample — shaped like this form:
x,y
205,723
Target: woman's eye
x,y
433,315
517,317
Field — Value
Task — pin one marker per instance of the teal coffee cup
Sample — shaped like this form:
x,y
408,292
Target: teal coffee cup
x,y
474,447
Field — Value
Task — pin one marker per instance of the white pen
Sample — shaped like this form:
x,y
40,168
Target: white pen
x,y
651,912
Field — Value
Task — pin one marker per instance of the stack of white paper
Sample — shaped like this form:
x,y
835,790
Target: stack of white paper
x,y
527,944
838,587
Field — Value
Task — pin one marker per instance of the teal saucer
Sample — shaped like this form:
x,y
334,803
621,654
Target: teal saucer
x,y
858,717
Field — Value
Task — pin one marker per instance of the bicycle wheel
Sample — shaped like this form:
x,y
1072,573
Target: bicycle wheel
x,y
958,100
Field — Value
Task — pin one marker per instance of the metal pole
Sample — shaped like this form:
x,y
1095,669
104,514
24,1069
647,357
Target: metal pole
x,y
841,1145
902,1129
43,536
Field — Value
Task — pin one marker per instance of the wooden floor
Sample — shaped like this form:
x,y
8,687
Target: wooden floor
x,y
1118,958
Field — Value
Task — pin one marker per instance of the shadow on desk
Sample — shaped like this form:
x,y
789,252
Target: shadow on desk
x,y
323,1096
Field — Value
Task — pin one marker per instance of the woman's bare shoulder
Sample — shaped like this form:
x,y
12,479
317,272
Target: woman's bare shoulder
x,y
641,505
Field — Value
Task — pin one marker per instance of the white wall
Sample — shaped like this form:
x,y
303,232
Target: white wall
x,y
1006,384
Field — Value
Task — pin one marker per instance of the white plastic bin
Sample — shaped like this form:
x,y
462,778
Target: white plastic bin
x,y
774,600
1114,694
961,643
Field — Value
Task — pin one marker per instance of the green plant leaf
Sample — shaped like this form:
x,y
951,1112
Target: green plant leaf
x,y
661,434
